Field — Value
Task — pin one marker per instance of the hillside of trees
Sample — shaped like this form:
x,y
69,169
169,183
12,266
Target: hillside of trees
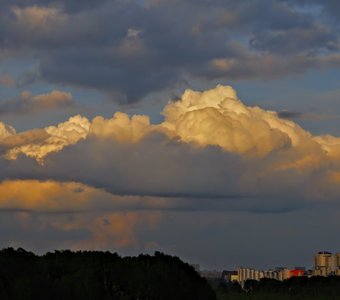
x,y
88,275
295,288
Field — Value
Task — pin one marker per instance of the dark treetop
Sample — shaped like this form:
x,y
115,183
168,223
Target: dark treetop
x,y
98,275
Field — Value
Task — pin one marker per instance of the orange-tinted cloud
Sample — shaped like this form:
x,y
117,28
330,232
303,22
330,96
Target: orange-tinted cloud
x,y
34,136
48,196
27,103
6,80
111,230
6,130
37,17
107,219
121,127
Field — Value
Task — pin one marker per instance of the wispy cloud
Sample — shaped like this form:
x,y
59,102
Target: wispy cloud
x,y
27,103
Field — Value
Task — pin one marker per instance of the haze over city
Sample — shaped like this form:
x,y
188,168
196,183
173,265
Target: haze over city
x,y
204,129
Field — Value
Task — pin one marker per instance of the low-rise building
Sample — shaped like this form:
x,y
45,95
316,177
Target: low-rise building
x,y
297,272
230,276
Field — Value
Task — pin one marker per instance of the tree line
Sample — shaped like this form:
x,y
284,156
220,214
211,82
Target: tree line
x,y
97,275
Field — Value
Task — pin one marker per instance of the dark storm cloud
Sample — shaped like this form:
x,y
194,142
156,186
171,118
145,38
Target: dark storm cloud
x,y
190,179
131,48
138,169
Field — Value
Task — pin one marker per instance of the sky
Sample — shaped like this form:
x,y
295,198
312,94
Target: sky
x,y
209,130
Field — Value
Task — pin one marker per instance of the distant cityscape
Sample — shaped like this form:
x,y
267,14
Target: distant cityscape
x,y
325,264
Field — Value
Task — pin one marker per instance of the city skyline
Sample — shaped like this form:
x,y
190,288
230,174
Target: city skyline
x,y
209,130
325,264
316,263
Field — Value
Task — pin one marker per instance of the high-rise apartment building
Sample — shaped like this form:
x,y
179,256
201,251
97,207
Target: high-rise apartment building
x,y
324,263
337,264
337,260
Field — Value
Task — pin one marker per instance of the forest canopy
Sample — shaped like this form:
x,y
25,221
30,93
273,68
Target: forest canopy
x,y
98,275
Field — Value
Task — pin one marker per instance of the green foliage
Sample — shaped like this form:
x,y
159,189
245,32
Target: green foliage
x,y
93,275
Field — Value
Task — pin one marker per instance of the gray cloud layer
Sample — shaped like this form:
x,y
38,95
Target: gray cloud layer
x,y
191,178
131,48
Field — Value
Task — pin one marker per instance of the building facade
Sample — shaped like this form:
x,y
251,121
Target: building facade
x,y
324,264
